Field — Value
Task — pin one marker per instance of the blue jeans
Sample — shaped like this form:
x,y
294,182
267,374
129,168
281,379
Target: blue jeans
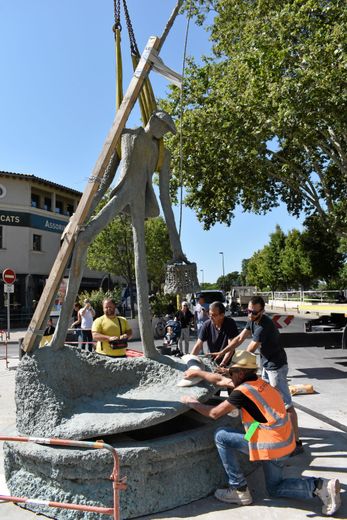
x,y
87,339
278,379
229,442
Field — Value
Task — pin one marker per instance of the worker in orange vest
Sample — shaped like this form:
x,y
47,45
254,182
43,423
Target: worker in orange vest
x,y
269,436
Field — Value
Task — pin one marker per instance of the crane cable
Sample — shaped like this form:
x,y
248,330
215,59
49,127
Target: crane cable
x,y
147,100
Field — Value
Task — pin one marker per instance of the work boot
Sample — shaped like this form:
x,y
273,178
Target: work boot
x,y
329,493
234,496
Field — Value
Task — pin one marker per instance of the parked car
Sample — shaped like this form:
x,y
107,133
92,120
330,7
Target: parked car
x,y
210,295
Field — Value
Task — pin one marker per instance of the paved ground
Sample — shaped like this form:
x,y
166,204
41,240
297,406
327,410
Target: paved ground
x,y
323,428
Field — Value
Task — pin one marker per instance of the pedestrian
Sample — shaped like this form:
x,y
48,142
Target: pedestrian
x,y
218,330
200,313
76,325
186,318
269,438
87,314
111,332
266,337
48,333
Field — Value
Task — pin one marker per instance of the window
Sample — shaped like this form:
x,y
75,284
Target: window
x,y
47,205
59,206
69,210
35,200
1,235
37,242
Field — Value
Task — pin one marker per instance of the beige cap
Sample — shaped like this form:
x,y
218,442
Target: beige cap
x,y
244,359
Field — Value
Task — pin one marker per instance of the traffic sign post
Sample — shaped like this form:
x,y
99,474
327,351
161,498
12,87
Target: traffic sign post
x,y
9,277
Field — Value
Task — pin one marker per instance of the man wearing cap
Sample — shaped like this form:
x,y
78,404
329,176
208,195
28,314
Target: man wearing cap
x,y
185,317
266,337
269,437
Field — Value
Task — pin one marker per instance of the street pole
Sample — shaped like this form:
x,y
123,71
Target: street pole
x,y
202,275
223,270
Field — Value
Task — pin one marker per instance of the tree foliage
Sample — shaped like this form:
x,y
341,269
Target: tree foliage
x,y
226,282
298,260
265,117
112,250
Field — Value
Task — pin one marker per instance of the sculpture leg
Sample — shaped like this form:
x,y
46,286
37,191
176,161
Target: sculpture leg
x,y
144,315
84,239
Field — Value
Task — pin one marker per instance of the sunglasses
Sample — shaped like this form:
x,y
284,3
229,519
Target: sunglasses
x,y
254,313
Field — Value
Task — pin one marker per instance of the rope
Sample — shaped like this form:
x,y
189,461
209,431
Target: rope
x,y
181,120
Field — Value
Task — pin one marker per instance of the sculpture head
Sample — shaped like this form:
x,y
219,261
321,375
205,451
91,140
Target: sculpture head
x,y
160,123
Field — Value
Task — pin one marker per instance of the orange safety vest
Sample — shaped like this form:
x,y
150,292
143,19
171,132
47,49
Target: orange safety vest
x,y
274,438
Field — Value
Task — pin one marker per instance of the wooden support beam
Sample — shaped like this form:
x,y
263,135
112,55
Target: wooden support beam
x,y
50,290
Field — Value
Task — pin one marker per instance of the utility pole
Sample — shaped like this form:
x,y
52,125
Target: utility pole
x,y
223,270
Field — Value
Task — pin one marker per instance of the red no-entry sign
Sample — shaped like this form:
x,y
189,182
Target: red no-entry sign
x,y
9,276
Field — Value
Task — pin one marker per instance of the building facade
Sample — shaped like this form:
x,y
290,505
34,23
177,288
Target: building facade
x,y
33,215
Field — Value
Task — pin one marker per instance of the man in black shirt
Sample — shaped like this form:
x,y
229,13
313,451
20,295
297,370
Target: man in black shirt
x,y
218,331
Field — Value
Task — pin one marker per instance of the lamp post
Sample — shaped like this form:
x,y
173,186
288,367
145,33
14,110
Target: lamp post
x,y
202,275
223,270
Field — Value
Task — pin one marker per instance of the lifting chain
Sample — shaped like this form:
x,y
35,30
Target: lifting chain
x,y
133,45
116,9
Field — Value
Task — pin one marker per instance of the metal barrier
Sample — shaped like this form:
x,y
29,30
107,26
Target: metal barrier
x,y
118,484
3,343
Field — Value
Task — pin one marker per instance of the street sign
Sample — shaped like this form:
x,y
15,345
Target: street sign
x,y
8,288
8,275
282,321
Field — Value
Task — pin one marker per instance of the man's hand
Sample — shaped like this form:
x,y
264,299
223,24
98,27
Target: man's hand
x,y
187,399
227,357
222,370
192,372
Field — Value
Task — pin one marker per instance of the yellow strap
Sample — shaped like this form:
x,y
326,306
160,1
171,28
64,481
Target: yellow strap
x,y
119,77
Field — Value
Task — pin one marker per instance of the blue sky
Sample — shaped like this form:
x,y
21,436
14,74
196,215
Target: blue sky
x,y
57,104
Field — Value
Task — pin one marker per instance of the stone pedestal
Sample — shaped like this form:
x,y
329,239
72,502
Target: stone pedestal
x,y
165,468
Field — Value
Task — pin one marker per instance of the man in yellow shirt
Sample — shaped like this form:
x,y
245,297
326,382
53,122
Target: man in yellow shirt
x,y
110,329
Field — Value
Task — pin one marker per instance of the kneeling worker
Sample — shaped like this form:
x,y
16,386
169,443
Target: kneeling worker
x,y
111,331
269,437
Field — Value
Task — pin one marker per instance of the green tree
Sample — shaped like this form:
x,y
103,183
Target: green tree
x,y
326,256
158,252
112,251
255,272
265,117
243,274
226,282
296,262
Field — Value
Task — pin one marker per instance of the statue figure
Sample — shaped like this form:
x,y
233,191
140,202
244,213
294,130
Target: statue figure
x,y
134,194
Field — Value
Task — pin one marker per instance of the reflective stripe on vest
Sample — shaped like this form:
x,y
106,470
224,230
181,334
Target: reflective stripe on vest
x,y
275,438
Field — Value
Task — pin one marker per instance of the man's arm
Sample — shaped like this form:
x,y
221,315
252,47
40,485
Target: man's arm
x,y
129,334
252,347
197,347
213,412
232,345
211,377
